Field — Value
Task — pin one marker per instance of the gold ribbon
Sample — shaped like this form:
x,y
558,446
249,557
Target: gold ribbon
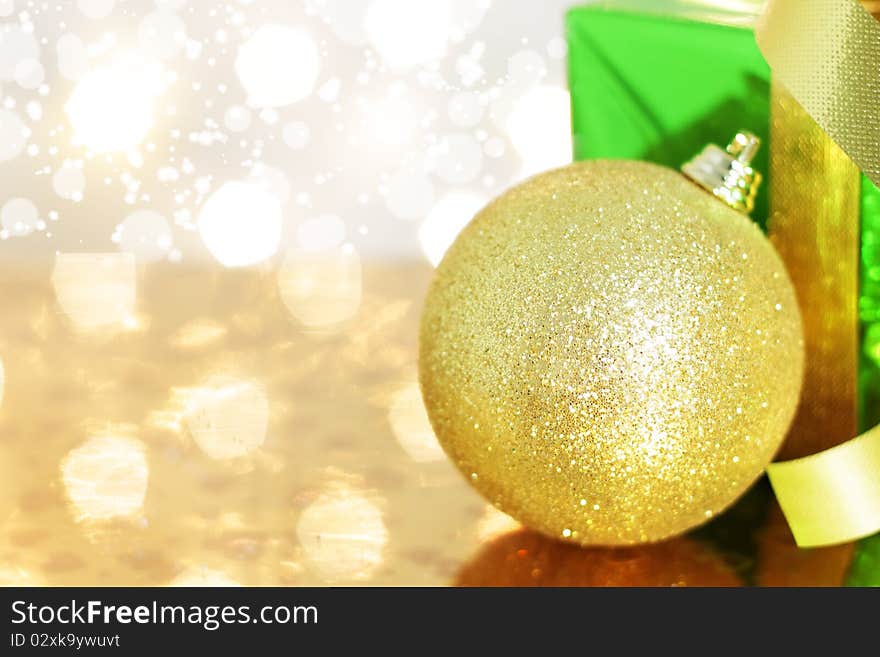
x,y
826,53
834,496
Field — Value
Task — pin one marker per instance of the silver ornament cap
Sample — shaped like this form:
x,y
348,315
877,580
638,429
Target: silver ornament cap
x,y
727,173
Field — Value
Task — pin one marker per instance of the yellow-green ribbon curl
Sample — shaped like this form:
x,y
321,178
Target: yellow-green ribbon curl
x,y
833,496
826,53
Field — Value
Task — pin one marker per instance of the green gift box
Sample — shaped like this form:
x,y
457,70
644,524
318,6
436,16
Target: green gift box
x,y
660,86
657,81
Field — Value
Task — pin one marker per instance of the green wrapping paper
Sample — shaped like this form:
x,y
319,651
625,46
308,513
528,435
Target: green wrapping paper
x,y
865,569
658,85
634,90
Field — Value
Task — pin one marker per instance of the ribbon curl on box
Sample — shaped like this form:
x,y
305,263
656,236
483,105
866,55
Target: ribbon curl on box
x,y
826,54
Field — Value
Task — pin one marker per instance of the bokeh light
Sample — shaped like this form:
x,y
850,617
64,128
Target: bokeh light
x,y
466,109
97,291
162,34
72,57
409,193
345,18
17,44
393,119
539,126
226,417
146,234
193,106
296,134
241,200
106,477
111,108
444,222
457,158
322,288
409,421
13,135
343,535
321,233
29,73
407,33
237,118
526,69
69,181
96,8
240,224
278,65
272,179
19,216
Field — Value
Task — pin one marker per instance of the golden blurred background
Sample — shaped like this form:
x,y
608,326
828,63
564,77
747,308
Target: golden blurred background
x,y
170,425
217,224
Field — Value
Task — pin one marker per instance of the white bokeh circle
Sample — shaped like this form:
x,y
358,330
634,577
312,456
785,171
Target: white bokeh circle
x,y
146,234
19,216
240,224
13,135
278,65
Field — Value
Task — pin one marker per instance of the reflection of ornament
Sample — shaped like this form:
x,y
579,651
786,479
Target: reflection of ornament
x,y
610,354
524,558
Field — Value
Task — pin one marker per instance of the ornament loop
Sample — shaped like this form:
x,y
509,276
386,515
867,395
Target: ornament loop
x,y
727,172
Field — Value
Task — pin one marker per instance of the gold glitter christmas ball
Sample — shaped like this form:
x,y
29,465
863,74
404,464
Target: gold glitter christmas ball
x,y
610,354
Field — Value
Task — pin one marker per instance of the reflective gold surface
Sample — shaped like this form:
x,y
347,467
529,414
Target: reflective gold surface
x,y
172,425
200,435
525,558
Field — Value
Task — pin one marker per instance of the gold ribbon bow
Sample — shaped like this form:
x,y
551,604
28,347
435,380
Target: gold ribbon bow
x,y
826,54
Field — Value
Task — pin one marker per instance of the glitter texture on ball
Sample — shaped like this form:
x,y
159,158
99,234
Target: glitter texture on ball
x,y
610,354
